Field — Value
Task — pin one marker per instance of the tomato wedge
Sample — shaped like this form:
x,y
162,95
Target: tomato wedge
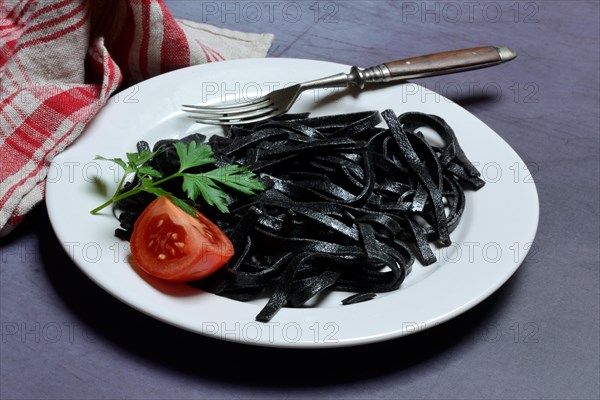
x,y
170,244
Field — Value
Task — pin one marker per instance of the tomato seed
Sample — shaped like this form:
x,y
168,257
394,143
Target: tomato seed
x,y
161,256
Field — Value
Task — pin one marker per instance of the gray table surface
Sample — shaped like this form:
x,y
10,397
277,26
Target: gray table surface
x,y
536,337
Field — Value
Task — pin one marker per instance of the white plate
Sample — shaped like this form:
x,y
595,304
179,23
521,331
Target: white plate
x,y
493,238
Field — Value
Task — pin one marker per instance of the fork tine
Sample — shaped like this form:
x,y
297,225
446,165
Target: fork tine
x,y
229,106
227,110
270,105
236,120
226,115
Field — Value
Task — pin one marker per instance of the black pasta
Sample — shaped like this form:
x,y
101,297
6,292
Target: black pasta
x,y
349,204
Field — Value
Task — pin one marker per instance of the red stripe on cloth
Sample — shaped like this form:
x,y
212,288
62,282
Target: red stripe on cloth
x,y
17,20
56,35
51,103
23,70
24,75
67,102
47,7
13,28
14,83
111,74
35,171
3,104
39,126
210,54
10,168
56,21
6,51
175,49
36,129
6,131
86,93
112,79
16,142
7,32
12,143
205,51
15,219
217,55
24,10
34,133
8,28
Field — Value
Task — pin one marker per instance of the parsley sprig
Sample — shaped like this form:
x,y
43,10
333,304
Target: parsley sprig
x,y
209,185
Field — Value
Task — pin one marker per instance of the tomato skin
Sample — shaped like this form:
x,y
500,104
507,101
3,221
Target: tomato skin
x,y
170,244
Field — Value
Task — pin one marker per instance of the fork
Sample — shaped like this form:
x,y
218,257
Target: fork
x,y
280,101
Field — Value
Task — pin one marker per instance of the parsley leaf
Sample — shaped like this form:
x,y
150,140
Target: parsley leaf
x,y
199,184
149,171
207,185
117,161
236,177
193,155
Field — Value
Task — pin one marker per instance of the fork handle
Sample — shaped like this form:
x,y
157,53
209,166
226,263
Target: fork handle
x,y
433,64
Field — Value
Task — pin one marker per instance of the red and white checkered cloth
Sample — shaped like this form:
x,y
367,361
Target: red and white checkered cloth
x,y
61,60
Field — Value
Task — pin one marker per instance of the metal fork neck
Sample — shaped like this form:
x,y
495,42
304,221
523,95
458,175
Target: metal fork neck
x,y
357,77
376,74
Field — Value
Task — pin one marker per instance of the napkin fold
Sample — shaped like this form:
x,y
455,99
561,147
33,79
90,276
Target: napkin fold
x,y
60,61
